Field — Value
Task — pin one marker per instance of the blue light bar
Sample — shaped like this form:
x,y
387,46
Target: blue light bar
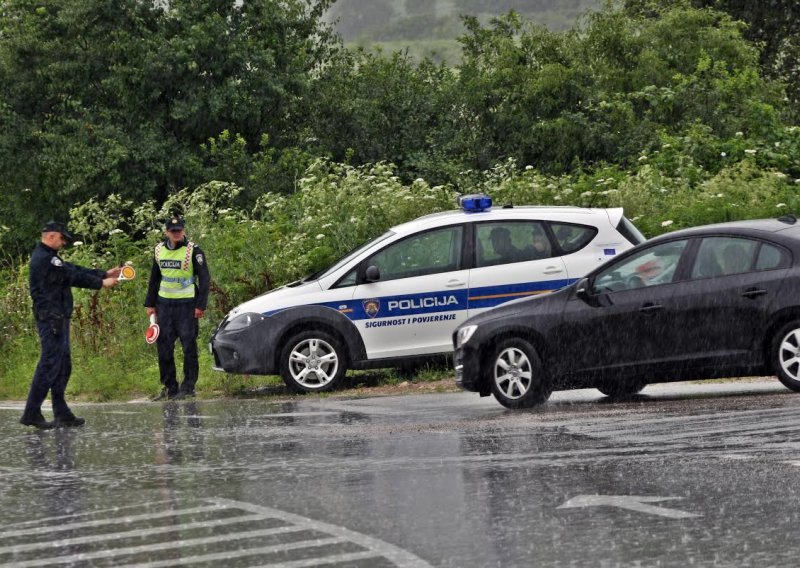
x,y
475,203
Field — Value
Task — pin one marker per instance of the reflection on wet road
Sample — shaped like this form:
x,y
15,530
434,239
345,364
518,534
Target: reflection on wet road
x,y
684,474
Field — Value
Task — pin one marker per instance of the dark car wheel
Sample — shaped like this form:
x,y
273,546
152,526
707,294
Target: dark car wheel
x,y
312,361
786,355
518,379
620,389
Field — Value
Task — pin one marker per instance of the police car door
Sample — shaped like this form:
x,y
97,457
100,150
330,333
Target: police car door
x,y
413,294
512,259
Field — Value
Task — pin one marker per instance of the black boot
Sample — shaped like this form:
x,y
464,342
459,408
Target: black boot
x,y
70,421
36,420
165,395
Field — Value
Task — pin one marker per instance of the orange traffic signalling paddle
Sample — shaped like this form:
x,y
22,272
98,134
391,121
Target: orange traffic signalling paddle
x,y
127,273
151,334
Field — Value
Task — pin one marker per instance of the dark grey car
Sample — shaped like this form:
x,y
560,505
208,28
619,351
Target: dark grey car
x,y
708,302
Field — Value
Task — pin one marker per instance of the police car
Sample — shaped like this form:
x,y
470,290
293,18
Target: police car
x,y
397,299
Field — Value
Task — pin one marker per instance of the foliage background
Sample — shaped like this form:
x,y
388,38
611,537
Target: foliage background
x,y
284,148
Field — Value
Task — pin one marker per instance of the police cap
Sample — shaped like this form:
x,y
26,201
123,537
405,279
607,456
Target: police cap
x,y
175,224
56,227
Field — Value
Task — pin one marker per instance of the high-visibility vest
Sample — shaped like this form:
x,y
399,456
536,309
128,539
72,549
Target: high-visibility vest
x,y
177,271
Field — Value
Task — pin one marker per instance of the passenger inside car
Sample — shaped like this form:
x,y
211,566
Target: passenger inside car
x,y
539,247
707,265
734,259
504,249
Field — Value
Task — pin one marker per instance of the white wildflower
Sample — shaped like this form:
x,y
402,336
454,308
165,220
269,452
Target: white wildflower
x,y
642,158
320,237
739,134
666,223
723,154
77,243
780,175
528,168
115,231
750,151
780,205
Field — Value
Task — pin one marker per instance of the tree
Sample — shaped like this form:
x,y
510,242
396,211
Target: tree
x,y
605,92
100,97
773,25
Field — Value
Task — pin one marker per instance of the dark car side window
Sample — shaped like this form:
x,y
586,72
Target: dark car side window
x,y
771,257
649,267
723,256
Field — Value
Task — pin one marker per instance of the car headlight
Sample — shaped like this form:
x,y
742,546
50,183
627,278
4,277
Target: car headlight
x,y
243,322
464,333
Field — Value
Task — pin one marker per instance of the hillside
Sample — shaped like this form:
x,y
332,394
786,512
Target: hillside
x,y
430,27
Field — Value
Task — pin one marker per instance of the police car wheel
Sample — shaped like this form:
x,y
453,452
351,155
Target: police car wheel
x,y
312,361
518,379
619,389
786,355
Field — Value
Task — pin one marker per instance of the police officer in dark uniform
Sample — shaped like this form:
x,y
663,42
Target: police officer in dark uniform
x,y
51,282
177,294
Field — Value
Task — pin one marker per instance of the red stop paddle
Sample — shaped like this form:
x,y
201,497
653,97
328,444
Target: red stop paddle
x,y
151,334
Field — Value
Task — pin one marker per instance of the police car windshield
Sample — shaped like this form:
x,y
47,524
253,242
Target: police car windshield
x,y
347,258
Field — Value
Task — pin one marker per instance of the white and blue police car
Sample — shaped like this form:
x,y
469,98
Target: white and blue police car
x,y
396,300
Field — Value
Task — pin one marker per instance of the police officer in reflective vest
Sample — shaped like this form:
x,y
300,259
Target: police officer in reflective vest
x,y
51,280
177,294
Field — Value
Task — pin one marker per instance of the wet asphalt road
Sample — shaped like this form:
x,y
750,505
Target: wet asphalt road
x,y
684,475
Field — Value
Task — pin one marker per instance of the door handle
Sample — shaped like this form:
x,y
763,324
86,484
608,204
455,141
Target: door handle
x,y
753,293
553,270
455,283
650,308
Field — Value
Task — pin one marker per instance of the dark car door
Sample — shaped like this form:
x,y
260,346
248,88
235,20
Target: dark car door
x,y
623,323
723,308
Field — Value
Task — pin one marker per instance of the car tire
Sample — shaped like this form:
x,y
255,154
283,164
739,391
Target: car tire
x,y
785,354
313,361
517,376
620,389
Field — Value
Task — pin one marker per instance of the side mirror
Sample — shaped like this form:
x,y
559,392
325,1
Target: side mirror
x,y
583,289
372,274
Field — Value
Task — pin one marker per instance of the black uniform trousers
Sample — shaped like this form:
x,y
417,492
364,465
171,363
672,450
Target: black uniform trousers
x,y
53,371
176,321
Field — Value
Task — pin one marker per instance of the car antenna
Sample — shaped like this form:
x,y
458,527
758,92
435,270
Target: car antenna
x,y
788,219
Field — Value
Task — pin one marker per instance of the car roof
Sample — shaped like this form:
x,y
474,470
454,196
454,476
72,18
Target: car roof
x,y
563,213
787,226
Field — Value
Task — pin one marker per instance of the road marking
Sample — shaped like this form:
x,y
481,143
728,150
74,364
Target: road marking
x,y
632,502
201,531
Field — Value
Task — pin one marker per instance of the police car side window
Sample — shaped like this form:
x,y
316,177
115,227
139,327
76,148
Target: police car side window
x,y
508,242
427,253
572,238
